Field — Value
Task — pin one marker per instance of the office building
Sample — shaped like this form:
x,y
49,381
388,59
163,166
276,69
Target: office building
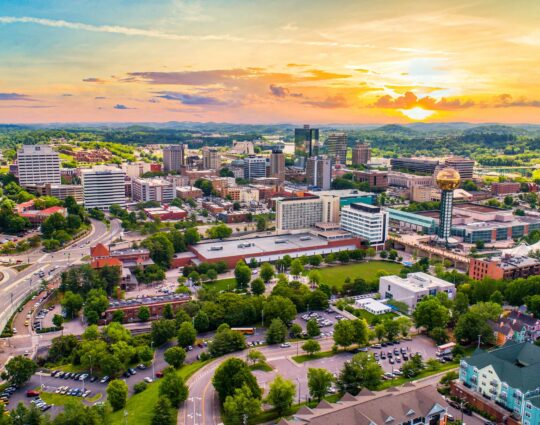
x,y
413,288
406,180
410,404
464,166
302,213
174,157
336,147
38,164
154,189
415,165
187,192
103,186
319,172
507,379
254,167
369,222
306,144
136,169
62,191
361,154
211,158
507,267
505,188
277,163
447,180
377,180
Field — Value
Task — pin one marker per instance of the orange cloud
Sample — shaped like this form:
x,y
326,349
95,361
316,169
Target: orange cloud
x,y
410,100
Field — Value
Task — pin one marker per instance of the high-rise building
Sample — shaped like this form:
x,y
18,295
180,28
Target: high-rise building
x,y
377,180
336,147
370,222
103,186
361,154
211,158
306,144
38,164
174,157
464,166
447,179
254,166
319,172
159,190
277,163
302,213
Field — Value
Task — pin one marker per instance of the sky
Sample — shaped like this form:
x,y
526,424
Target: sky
x,y
269,61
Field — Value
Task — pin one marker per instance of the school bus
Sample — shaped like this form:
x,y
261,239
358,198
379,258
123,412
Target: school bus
x,y
245,331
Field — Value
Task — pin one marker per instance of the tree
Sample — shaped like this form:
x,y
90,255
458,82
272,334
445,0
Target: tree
x,y
413,367
315,260
461,304
391,328
277,332
279,307
175,356
242,274
161,249
296,267
232,374
226,341
267,272
220,231
19,370
430,313
72,303
313,328
262,222
439,335
58,320
361,371
311,347
168,312
319,382
173,387
533,305
201,322
380,331
471,325
296,330
163,413
144,313
370,252
257,286
191,236
281,394
255,356
118,316
241,406
344,333
117,392
404,324
162,331
186,334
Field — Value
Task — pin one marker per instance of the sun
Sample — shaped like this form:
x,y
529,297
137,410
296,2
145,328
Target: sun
x,y
417,113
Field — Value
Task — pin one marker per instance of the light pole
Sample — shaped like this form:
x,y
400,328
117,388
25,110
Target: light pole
x,y
125,416
298,380
153,363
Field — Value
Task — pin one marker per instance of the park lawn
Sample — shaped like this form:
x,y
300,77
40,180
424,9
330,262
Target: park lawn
x,y
61,399
363,314
222,285
140,407
335,276
446,367
306,357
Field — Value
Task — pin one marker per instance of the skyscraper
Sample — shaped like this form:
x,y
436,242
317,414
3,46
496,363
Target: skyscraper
x,y
103,186
464,166
306,144
254,166
361,154
447,179
174,156
336,147
319,172
38,164
211,158
277,163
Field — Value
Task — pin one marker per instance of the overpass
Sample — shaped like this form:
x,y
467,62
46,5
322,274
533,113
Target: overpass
x,y
412,244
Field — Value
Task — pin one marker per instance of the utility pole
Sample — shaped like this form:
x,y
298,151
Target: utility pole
x,y
479,341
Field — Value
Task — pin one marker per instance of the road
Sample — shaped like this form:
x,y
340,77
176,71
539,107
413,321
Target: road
x,y
17,286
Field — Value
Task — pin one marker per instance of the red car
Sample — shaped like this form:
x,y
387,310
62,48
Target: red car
x,y
159,374
32,393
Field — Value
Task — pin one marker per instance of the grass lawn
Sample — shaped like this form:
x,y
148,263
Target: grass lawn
x,y
265,367
336,275
223,284
363,314
140,407
306,357
61,399
424,374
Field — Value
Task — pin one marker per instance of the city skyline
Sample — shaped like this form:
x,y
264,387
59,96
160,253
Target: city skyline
x,y
319,62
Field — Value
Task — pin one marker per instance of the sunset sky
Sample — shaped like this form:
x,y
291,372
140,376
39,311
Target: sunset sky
x,y
264,61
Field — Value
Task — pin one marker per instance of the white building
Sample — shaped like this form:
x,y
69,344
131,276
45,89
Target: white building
x,y
136,169
367,221
38,164
302,213
155,189
254,166
413,288
103,186
319,172
373,306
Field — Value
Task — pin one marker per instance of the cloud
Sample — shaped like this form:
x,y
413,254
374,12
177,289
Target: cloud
x,y
408,88
67,95
331,102
100,97
410,100
289,27
121,107
94,80
191,11
26,106
129,31
507,101
15,96
296,65
191,99
279,91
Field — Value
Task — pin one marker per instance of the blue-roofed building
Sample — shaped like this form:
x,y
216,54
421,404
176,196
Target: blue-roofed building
x,y
416,222
508,376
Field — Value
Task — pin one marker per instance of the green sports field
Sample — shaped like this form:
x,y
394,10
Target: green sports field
x,y
335,276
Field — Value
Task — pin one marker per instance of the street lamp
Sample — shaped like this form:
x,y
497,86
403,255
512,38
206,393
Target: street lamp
x,y
298,380
153,363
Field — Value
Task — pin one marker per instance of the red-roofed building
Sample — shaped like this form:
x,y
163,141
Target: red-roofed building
x,y
99,250
103,262
27,210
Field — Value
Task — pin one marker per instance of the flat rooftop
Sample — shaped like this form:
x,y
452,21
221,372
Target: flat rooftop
x,y
258,246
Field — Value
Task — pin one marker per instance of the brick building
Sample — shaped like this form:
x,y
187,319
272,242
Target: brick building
x,y
505,188
505,267
377,180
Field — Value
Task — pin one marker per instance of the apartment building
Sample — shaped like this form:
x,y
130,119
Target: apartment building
x,y
302,213
153,189
103,186
254,166
38,164
319,172
211,158
369,222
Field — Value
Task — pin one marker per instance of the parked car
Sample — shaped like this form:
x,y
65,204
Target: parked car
x,y
285,345
104,380
32,393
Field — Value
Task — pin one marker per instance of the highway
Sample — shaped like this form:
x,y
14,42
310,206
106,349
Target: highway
x,y
17,286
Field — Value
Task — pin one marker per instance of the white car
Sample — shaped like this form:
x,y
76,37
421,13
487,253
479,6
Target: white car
x,y
285,345
148,380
